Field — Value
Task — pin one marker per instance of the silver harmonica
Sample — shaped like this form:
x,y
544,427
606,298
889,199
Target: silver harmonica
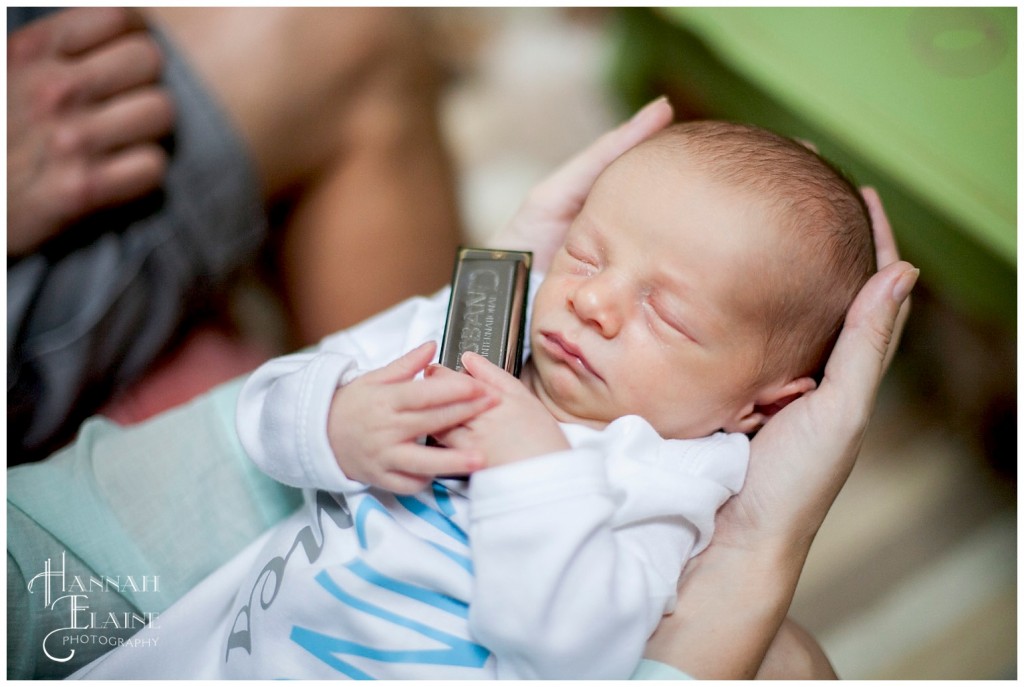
x,y
487,308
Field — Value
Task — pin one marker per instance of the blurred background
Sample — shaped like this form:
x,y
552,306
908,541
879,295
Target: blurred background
x,y
914,574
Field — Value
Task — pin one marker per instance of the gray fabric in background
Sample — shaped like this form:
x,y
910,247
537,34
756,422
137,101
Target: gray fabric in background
x,y
90,311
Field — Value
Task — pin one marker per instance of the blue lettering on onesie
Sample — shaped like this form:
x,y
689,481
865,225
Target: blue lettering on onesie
x,y
456,651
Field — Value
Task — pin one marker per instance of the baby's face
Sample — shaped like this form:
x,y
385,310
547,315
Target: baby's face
x,y
648,306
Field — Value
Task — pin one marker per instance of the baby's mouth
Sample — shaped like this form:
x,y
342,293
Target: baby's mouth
x,y
564,350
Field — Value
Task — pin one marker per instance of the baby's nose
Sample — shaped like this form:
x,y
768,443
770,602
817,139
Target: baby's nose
x,y
597,301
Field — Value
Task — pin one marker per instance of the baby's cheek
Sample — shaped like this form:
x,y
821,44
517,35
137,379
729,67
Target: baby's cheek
x,y
543,301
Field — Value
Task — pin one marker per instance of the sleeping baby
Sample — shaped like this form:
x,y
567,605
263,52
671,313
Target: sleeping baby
x,y
699,291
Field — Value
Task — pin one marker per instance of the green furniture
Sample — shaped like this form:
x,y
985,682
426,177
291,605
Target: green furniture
x,y
918,102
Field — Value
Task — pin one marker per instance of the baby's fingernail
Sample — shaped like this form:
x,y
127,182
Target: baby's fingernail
x,y
905,284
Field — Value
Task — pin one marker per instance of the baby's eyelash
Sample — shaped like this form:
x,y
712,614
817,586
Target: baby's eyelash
x,y
581,258
579,255
665,319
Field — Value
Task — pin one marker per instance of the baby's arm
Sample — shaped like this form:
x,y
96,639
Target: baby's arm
x,y
373,424
296,411
576,552
563,588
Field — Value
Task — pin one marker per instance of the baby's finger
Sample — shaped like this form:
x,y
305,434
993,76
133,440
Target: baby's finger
x,y
403,483
417,460
483,369
434,420
437,390
455,437
404,368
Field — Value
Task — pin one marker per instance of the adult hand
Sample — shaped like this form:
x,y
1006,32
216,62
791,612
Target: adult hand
x,y
84,116
811,445
734,597
552,205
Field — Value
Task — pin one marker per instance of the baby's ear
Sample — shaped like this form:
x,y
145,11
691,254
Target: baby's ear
x,y
768,402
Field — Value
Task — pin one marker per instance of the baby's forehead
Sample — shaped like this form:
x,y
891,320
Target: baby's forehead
x,y
661,168
653,156
669,158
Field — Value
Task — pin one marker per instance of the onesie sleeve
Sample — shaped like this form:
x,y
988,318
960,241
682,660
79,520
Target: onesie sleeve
x,y
577,553
283,406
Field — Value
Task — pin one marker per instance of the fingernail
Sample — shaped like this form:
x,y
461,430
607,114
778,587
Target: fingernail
x,y
905,284
648,106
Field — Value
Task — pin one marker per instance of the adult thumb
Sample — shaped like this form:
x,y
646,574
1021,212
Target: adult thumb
x,y
869,337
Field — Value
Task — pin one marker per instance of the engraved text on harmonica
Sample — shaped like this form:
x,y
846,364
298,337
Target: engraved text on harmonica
x,y
477,333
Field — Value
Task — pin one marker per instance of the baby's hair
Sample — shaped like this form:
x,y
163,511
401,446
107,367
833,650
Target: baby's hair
x,y
812,202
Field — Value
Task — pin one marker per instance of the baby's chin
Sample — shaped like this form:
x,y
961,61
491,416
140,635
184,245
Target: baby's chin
x,y
561,411
575,413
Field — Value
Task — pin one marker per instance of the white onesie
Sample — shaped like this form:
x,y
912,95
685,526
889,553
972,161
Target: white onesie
x,y
559,566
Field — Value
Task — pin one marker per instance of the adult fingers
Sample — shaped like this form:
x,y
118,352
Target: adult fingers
x,y
885,241
114,179
405,367
857,362
124,64
143,115
72,32
579,173
887,253
75,31
810,145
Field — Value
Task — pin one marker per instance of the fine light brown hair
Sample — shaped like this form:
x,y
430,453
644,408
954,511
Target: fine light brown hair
x,y
820,213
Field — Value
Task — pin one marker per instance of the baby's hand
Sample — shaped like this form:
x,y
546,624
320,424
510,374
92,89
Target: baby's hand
x,y
375,421
518,427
